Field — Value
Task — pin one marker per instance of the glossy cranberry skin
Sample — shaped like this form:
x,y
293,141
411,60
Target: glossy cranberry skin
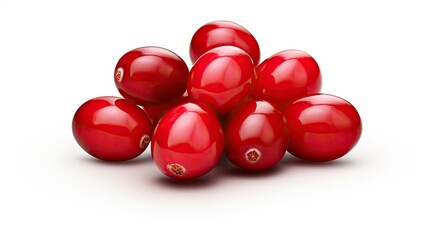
x,y
256,136
221,78
287,75
187,142
223,33
111,128
156,112
322,127
151,76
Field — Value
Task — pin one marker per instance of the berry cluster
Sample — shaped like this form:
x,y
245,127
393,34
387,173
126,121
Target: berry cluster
x,y
226,103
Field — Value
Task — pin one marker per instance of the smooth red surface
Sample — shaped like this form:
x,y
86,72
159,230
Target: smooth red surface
x,y
256,126
322,127
151,76
287,75
156,112
111,128
189,138
223,33
221,78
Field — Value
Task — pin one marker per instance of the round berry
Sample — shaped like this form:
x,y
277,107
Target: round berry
x,y
187,142
111,128
322,127
223,33
256,137
285,76
221,78
151,75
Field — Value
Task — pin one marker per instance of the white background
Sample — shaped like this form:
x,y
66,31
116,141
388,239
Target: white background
x,y
55,55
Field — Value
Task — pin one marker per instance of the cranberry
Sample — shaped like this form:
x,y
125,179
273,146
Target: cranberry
x,y
187,142
151,75
111,128
322,127
223,33
256,137
221,78
285,76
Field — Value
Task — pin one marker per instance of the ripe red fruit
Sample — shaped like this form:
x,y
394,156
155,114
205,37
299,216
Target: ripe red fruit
x,y
285,76
111,128
223,33
322,127
151,75
256,137
187,142
221,78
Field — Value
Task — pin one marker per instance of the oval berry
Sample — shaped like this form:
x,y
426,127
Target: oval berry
x,y
221,78
151,75
223,33
285,76
187,142
256,137
111,128
322,127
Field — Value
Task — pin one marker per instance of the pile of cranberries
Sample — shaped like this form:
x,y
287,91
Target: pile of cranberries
x,y
227,103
